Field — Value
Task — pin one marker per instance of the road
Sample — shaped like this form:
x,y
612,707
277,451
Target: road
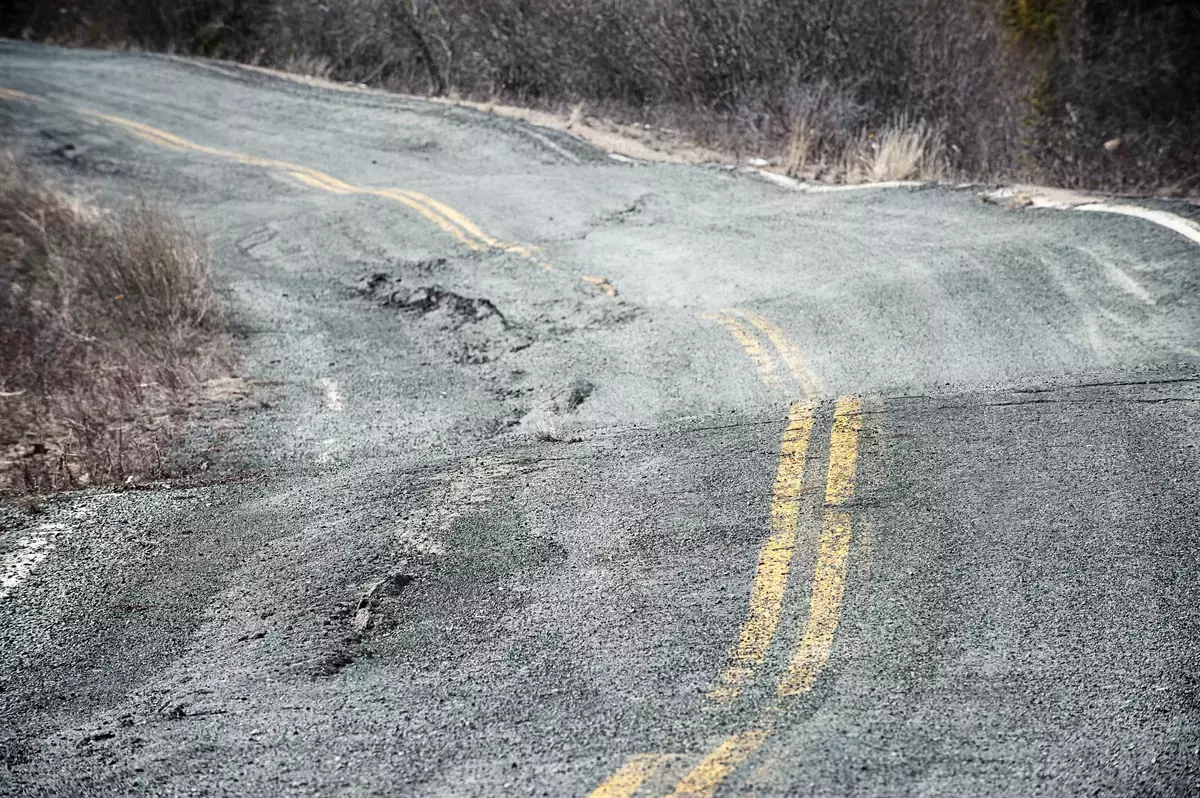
x,y
563,475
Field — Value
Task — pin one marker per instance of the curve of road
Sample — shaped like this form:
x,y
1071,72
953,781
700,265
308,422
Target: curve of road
x,y
872,492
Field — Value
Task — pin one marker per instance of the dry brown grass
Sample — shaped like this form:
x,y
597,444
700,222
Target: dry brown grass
x,y
800,151
314,66
108,323
901,150
1021,90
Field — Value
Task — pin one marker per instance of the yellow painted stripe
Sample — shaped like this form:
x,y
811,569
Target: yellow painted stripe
x,y
825,607
452,215
843,450
625,782
774,561
444,216
714,769
466,234
315,177
757,353
811,654
600,282
449,227
13,94
474,230
809,382
312,182
311,177
160,142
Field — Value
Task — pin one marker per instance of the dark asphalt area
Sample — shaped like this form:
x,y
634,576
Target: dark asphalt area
x,y
456,547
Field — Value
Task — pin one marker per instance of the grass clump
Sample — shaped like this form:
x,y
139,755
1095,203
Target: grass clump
x,y
901,150
108,324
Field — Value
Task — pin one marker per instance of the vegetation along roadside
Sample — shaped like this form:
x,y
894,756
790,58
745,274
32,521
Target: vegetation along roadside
x,y
109,325
1091,94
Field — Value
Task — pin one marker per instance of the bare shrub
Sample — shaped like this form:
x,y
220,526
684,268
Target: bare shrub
x,y
1027,89
108,321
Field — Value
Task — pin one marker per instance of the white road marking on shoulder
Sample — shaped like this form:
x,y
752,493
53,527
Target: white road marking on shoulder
x,y
334,400
1185,227
1067,200
31,550
533,134
813,189
820,188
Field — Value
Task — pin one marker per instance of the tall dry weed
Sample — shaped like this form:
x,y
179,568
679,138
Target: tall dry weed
x,y
108,320
906,150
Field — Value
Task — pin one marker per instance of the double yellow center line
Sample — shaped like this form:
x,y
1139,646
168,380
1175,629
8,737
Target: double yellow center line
x,y
774,560
451,221
810,653
745,326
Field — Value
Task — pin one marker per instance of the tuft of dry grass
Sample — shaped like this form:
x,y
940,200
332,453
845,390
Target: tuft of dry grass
x,y
309,65
550,427
901,150
108,324
575,118
799,151
906,150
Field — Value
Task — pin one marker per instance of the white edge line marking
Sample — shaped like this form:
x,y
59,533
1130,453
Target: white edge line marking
x,y
1172,221
814,188
1185,227
31,550
1179,224
546,141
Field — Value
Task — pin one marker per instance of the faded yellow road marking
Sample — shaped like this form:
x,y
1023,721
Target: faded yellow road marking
x,y
473,229
600,282
625,782
843,450
449,227
757,353
308,176
829,579
828,589
13,94
809,382
313,182
447,218
706,777
825,607
774,560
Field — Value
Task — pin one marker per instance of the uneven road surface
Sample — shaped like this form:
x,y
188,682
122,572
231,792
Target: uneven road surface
x,y
568,476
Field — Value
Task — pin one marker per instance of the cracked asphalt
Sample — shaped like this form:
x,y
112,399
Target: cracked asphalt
x,y
552,474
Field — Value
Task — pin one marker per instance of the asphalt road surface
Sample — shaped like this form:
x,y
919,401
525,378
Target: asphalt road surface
x,y
564,475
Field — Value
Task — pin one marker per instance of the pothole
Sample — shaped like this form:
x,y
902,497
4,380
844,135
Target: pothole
x,y
483,332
